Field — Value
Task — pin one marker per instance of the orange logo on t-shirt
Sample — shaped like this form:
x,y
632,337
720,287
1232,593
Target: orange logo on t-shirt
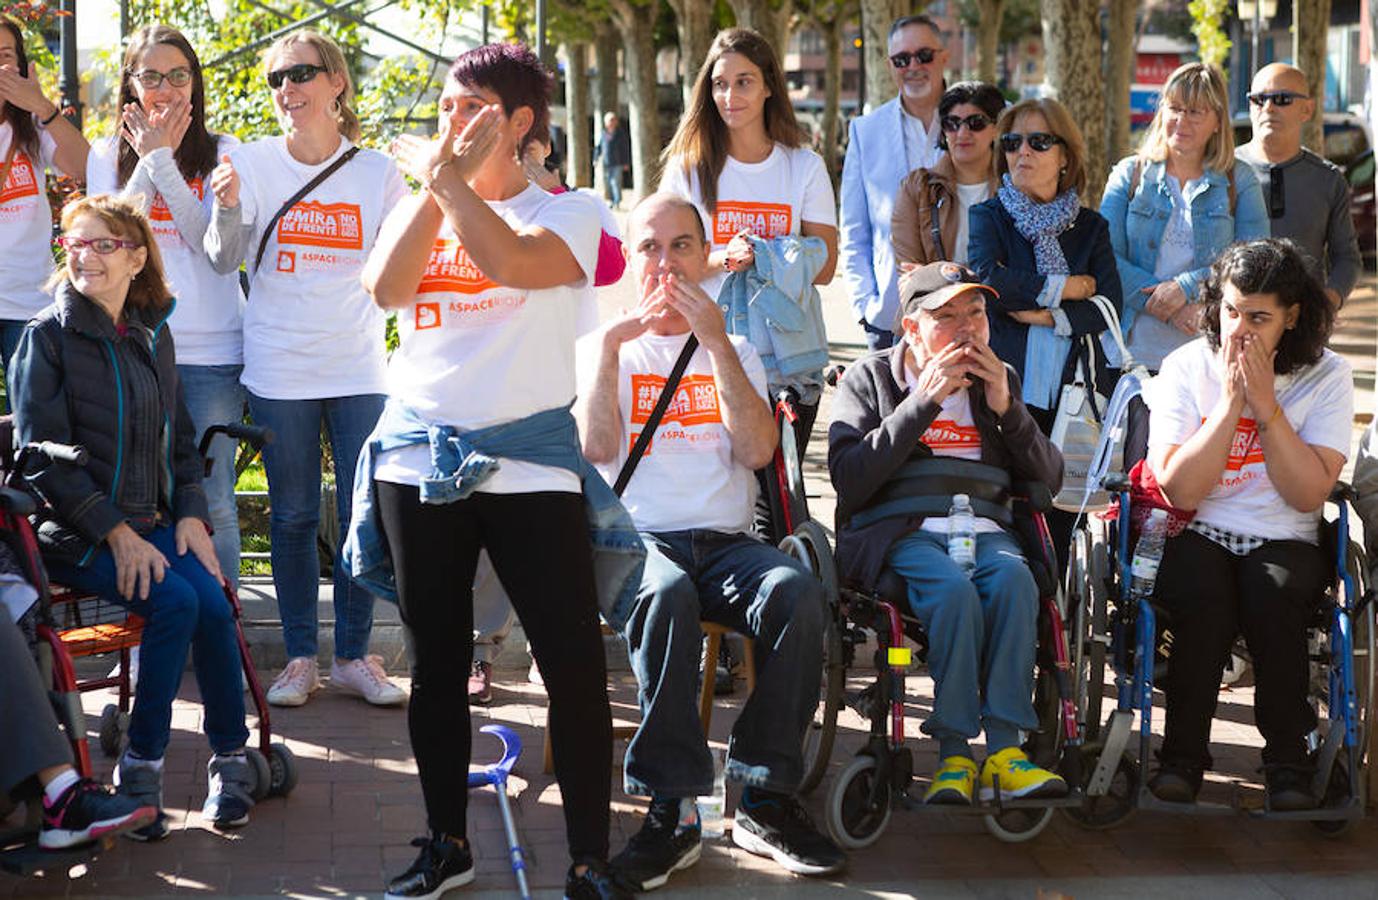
x,y
695,402
426,315
451,271
1245,448
323,225
767,220
159,212
22,181
945,434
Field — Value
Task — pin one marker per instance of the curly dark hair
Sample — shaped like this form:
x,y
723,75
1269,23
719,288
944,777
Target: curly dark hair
x,y
1272,266
983,96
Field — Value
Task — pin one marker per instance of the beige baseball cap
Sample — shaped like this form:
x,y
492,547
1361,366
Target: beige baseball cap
x,y
932,285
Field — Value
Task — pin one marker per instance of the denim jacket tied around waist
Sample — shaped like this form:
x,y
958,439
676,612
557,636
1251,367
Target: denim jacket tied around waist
x,y
461,461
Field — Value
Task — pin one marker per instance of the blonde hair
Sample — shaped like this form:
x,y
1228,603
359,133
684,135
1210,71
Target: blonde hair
x,y
1194,85
1060,123
333,61
126,221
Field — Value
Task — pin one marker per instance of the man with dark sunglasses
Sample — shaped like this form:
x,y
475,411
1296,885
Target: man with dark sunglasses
x,y
883,147
1307,196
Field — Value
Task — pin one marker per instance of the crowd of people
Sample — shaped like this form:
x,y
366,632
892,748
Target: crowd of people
x,y
985,287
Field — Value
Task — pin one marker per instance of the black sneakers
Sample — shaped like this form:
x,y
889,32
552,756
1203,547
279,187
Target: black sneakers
x,y
87,811
660,848
1174,783
596,883
775,825
441,865
1289,787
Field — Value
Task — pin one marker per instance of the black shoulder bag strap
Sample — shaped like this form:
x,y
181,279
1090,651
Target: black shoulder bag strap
x,y
643,440
307,188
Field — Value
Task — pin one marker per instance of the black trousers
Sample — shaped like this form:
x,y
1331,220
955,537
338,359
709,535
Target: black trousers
x,y
32,739
1211,596
539,544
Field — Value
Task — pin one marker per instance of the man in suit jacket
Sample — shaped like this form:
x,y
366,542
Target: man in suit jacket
x,y
872,171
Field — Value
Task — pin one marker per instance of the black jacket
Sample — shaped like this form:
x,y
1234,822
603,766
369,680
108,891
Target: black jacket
x,y
876,428
76,380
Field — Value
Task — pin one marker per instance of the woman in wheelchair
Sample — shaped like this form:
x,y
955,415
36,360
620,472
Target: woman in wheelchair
x,y
941,396
1249,427
96,368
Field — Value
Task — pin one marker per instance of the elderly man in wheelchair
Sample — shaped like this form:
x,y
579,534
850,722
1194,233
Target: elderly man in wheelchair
x,y
937,415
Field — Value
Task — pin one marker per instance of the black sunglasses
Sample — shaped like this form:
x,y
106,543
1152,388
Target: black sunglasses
x,y
924,55
1041,141
976,122
298,74
1279,98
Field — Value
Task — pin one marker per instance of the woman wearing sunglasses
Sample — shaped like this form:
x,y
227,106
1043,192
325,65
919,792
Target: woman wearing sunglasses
x,y
34,139
96,368
313,340
1173,207
930,219
162,159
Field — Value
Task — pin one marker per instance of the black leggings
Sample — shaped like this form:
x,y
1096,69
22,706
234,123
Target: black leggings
x,y
539,544
1211,596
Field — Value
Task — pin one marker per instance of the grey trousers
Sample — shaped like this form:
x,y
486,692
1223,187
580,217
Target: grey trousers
x,y
32,739
493,613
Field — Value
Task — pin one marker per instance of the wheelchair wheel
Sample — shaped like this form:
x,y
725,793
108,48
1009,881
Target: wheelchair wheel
x,y
282,768
1088,596
850,822
263,774
1117,805
809,544
113,726
1337,791
1015,826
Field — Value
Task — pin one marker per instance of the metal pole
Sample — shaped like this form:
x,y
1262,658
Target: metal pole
x,y
69,83
124,21
1258,29
540,30
483,17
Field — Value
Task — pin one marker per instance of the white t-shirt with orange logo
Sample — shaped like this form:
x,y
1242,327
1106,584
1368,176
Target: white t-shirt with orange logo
x,y
310,329
474,353
687,478
208,321
1318,401
772,197
26,229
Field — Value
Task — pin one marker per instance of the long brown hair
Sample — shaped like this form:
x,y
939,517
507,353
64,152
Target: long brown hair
x,y
125,220
25,130
700,141
333,61
196,155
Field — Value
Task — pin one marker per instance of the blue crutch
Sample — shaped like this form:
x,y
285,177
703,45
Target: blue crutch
x,y
496,775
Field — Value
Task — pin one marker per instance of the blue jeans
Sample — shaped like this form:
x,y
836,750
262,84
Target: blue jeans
x,y
215,397
10,330
752,587
612,176
293,464
982,637
877,338
187,609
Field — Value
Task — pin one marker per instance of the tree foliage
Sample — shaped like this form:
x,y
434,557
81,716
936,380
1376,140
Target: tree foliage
x,y
1207,24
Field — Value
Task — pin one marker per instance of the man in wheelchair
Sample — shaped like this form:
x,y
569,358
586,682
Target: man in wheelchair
x,y
1249,426
936,415
692,498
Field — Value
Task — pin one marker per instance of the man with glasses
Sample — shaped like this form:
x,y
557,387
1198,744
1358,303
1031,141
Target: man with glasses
x,y
1307,196
872,171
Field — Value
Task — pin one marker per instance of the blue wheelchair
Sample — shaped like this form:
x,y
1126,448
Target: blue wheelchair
x,y
1130,637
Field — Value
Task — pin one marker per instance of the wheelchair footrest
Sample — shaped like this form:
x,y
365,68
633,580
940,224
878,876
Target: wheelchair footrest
x,y
1146,800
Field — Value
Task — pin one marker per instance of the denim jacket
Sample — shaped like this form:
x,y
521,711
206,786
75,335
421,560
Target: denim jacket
x,y
1137,224
776,307
462,461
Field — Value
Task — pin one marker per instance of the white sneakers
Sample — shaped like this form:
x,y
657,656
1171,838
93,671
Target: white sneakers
x,y
295,685
364,677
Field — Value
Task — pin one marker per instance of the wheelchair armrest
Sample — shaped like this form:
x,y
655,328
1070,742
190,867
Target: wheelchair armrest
x,y
1343,493
1035,493
16,502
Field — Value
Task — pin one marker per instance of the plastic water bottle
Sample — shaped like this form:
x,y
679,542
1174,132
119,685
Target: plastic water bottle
x,y
713,809
961,534
1148,553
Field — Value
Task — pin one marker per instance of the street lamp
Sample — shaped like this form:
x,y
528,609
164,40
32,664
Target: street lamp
x,y
1257,13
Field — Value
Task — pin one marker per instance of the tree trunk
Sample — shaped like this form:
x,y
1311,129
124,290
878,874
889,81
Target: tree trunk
x,y
579,119
636,21
753,14
876,16
832,94
694,22
605,62
1119,72
1072,51
1310,22
988,38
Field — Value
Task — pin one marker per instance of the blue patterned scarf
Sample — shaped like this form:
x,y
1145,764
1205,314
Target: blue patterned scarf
x,y
1045,351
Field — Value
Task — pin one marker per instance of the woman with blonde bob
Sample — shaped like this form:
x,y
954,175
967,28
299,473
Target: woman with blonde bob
x,y
96,368
303,210
1173,207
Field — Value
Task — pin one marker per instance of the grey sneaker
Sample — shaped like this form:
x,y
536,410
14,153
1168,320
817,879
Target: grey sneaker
x,y
229,790
141,780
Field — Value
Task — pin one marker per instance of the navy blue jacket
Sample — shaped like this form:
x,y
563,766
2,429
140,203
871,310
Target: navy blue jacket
x,y
1005,260
76,380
